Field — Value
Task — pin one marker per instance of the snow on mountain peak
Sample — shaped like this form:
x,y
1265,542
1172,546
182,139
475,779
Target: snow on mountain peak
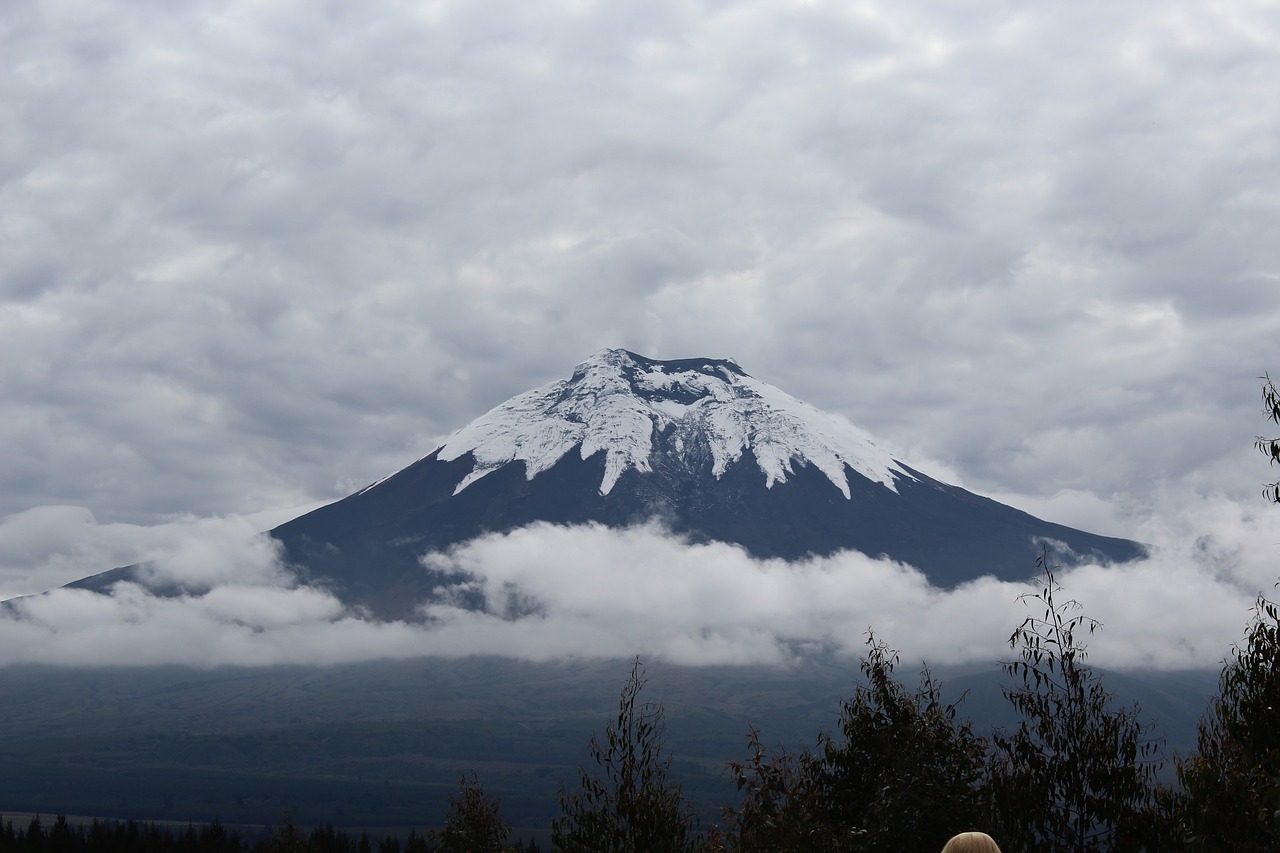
x,y
619,402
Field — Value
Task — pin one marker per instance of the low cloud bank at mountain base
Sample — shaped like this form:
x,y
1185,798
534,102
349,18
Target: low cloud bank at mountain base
x,y
554,592
48,546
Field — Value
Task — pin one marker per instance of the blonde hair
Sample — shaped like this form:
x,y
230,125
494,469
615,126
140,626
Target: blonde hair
x,y
972,842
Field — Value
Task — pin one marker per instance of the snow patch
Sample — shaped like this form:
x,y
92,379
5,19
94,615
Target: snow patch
x,y
617,401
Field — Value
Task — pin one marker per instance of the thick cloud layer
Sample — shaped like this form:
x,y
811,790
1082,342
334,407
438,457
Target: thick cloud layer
x,y
258,255
49,546
573,592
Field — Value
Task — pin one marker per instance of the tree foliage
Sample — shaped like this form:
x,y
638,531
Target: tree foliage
x,y
474,823
288,838
780,811
631,805
1270,447
1230,797
1231,786
1078,772
903,774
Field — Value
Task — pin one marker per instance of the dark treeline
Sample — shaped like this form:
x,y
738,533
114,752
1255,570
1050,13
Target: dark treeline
x,y
131,836
60,836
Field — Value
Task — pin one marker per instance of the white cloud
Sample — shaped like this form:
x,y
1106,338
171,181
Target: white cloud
x,y
641,590
557,592
49,546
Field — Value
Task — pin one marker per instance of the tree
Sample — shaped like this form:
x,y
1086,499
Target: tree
x,y
1231,786
287,837
474,823
633,806
780,807
1270,447
903,775
1078,773
1230,797
1229,794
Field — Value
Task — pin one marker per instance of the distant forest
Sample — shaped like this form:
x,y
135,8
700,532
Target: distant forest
x,y
60,836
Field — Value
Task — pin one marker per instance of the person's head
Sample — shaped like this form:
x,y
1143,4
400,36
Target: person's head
x,y
971,842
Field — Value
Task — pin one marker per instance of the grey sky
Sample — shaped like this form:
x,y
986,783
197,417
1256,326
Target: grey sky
x,y
254,256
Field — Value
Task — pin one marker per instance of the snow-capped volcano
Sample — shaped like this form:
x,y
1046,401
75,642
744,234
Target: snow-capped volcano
x,y
697,444
626,405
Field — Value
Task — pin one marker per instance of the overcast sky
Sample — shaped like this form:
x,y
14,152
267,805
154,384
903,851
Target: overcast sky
x,y
254,256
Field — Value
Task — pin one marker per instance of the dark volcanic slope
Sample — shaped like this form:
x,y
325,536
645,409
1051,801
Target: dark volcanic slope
x,y
367,546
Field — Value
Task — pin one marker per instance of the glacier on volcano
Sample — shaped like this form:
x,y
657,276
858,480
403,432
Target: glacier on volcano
x,y
618,401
